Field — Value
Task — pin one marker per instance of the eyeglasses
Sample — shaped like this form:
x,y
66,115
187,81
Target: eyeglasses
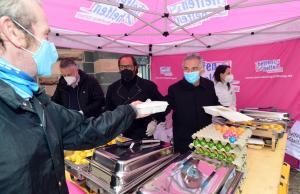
x,y
129,67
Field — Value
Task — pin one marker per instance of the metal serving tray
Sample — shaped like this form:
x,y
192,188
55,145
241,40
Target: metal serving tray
x,y
98,185
267,114
214,177
122,178
75,170
116,159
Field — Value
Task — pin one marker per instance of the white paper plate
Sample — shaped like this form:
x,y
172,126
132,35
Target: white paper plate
x,y
227,113
152,107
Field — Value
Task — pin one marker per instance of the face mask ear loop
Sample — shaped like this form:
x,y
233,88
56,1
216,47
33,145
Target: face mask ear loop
x,y
26,30
27,50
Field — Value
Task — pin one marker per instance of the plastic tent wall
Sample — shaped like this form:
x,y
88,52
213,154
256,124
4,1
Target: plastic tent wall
x,y
163,27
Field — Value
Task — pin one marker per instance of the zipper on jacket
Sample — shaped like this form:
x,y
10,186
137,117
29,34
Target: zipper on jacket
x,y
78,98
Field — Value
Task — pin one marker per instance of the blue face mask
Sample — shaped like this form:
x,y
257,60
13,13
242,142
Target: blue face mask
x,y
192,77
45,56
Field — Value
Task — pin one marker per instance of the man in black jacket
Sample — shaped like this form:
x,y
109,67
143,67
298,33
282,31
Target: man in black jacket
x,y
187,98
34,130
131,88
78,91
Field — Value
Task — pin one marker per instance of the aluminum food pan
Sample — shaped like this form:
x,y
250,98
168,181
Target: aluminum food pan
x,y
75,170
122,178
213,183
98,185
115,159
266,114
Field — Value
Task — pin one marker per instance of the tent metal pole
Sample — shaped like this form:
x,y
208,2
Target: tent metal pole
x,y
243,33
145,22
129,33
187,46
196,50
112,35
208,15
185,30
270,2
258,31
180,44
166,17
135,46
199,11
291,32
149,67
244,5
79,41
131,47
172,46
280,24
115,4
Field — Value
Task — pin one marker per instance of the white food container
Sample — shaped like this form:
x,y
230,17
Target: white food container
x,y
152,107
227,113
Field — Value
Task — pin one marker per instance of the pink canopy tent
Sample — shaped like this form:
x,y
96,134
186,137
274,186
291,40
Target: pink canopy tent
x,y
213,27
163,27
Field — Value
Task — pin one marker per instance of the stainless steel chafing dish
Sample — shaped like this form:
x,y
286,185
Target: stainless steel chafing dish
x,y
270,114
116,159
193,174
75,171
116,169
269,124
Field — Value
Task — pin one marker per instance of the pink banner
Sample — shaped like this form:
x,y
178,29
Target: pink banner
x,y
266,75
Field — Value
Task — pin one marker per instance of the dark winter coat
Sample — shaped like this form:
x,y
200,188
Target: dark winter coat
x,y
35,133
187,103
90,96
141,89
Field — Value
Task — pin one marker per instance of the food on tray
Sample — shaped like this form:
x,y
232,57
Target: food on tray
x,y
79,157
117,139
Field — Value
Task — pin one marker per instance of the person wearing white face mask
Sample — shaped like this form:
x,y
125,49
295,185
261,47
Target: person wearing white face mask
x,y
223,79
77,90
35,131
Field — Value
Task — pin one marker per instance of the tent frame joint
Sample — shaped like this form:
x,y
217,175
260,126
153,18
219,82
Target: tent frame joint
x,y
227,7
166,15
165,33
121,6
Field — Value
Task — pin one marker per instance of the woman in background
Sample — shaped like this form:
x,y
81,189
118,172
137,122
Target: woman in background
x,y
223,79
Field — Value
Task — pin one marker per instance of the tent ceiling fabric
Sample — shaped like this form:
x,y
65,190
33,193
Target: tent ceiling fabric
x,y
162,27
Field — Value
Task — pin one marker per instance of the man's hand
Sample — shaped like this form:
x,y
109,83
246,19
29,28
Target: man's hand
x,y
151,128
138,115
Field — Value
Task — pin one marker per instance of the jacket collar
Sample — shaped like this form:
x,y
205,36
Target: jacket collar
x,y
130,83
9,96
62,82
12,99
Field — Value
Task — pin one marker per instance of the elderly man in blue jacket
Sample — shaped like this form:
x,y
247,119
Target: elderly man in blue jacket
x,y
34,131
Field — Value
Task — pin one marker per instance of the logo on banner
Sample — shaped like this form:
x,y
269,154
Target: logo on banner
x,y
166,71
192,11
107,14
268,66
211,66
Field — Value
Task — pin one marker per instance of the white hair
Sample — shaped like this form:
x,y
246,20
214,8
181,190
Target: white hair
x,y
17,10
192,56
